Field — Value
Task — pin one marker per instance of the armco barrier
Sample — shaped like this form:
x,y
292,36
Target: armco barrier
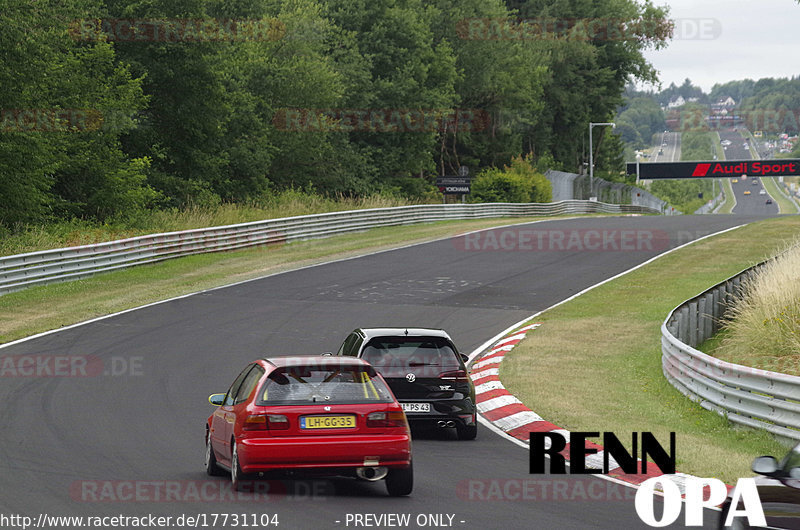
x,y
748,396
711,205
50,266
571,186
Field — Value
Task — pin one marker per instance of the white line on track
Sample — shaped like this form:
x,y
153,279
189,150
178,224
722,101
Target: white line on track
x,y
474,353
71,326
480,349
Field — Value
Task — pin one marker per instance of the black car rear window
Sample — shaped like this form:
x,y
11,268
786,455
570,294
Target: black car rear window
x,y
306,385
391,353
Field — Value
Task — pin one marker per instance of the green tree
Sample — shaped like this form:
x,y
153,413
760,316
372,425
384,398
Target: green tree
x,y
644,115
183,127
738,90
390,61
589,70
519,182
262,81
73,166
500,78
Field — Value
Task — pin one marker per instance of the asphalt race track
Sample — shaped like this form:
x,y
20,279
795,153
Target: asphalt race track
x,y
671,152
753,204
104,445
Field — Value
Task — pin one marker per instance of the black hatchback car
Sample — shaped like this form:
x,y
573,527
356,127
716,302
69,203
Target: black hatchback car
x,y
425,371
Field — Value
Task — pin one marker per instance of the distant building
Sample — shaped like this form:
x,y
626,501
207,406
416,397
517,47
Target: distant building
x,y
722,108
677,102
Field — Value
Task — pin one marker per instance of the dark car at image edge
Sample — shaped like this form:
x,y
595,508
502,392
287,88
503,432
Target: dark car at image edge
x,y
778,491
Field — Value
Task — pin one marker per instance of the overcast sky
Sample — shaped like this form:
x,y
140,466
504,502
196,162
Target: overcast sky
x,y
723,40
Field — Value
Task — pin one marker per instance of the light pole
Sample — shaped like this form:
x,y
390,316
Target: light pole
x,y
638,156
591,155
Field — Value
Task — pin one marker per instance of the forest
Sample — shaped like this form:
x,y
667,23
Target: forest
x,y
111,108
770,105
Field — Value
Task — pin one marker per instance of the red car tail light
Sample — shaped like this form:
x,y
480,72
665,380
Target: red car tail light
x,y
386,419
266,422
457,375
255,422
277,422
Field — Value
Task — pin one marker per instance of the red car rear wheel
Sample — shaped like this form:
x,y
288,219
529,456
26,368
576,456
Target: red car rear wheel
x,y
400,482
212,469
236,471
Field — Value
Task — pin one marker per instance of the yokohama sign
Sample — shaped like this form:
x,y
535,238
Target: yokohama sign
x,y
717,169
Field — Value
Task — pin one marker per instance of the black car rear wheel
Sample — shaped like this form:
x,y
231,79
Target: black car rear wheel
x,y
466,432
400,482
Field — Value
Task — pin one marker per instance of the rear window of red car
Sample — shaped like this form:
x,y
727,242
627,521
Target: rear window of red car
x,y
309,385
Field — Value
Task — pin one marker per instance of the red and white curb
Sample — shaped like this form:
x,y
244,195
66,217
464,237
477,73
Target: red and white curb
x,y
510,415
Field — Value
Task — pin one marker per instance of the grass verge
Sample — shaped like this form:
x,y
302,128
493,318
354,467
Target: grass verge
x,y
785,205
763,329
716,141
729,203
39,309
595,364
288,203
730,199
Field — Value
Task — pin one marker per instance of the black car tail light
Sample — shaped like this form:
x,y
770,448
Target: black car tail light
x,y
469,419
386,419
456,375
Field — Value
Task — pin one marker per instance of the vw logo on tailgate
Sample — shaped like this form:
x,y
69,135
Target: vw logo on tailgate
x,y
411,378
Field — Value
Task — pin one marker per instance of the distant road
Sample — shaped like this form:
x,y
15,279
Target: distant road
x,y
670,148
669,145
752,203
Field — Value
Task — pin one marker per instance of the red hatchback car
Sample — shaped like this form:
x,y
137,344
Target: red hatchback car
x,y
332,416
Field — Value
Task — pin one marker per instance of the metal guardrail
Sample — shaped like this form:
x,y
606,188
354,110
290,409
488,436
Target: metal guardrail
x,y
38,268
748,396
787,193
570,186
711,206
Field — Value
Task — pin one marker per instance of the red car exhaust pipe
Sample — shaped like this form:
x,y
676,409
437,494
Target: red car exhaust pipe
x,y
372,473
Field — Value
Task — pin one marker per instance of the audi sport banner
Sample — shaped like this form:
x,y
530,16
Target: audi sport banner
x,y
715,169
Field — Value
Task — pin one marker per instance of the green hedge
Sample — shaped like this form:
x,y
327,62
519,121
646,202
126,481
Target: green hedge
x,y
518,183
